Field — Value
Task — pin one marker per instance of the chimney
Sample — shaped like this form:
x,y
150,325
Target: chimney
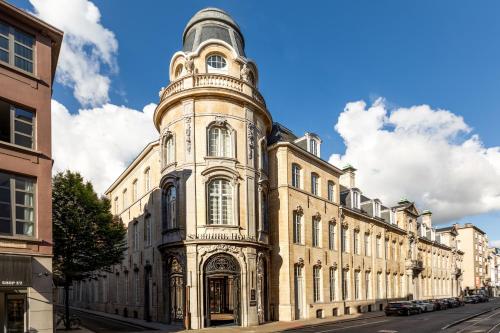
x,y
348,178
426,218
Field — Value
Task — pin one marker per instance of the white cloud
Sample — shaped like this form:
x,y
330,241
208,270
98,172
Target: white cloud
x,y
495,243
100,142
88,49
426,155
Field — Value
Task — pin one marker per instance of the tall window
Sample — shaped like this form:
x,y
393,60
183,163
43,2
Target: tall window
x,y
376,209
367,245
263,156
216,63
136,287
331,191
379,285
356,242
148,231
344,240
124,199
386,252
220,202
295,175
367,285
345,284
265,212
17,205
169,150
331,236
16,47
356,285
16,125
297,228
135,194
147,180
333,281
355,199
314,183
317,283
316,231
136,236
313,147
170,208
379,247
219,141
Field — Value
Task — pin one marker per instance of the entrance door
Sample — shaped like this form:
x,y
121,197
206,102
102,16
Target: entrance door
x,y
15,306
222,291
299,301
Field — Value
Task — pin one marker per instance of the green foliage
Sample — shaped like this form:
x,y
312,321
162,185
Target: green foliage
x,y
87,237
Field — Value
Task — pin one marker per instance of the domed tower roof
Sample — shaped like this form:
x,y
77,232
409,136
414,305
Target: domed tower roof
x,y
212,23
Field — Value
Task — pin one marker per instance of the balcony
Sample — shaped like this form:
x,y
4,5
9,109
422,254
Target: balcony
x,y
415,265
219,81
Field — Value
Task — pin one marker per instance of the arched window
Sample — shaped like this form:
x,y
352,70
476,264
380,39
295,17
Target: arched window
x,y
216,63
147,180
219,141
168,150
296,175
220,202
170,212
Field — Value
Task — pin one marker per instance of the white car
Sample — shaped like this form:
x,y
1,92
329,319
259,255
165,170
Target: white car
x,y
425,306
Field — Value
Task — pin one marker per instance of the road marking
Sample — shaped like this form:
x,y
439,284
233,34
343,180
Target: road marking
x,y
387,331
491,330
346,327
477,322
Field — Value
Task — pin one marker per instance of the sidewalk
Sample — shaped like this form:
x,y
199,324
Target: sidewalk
x,y
281,326
272,327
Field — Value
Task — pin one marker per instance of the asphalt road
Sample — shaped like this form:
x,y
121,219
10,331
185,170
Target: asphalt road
x,y
426,322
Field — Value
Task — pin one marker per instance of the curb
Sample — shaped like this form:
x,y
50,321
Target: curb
x,y
330,323
458,322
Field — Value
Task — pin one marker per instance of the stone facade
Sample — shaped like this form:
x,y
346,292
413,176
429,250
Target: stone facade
x,y
233,218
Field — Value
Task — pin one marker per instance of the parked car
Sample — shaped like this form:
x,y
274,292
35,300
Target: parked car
x,y
443,305
452,303
482,297
425,306
471,299
401,308
460,301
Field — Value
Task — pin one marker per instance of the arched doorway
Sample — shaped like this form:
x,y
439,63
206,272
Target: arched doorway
x,y
222,290
176,294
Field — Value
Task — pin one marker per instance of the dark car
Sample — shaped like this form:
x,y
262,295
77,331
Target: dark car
x,y
401,308
460,301
442,304
471,299
482,298
452,303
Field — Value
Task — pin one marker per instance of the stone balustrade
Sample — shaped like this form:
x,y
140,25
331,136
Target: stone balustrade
x,y
211,80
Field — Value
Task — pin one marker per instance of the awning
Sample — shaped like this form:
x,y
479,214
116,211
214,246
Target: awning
x,y
15,271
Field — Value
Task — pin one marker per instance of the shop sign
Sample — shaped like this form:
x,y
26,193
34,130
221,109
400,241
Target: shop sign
x,y
16,271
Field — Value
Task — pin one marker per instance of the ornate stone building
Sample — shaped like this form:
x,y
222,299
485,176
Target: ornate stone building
x,y
234,219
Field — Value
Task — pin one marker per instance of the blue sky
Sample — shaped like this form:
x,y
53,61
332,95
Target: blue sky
x,y
317,56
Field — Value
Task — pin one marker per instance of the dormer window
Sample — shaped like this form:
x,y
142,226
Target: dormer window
x,y
313,144
355,198
376,208
216,63
313,147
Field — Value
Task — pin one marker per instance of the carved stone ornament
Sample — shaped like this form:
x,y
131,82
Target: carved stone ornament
x,y
220,121
188,134
204,251
357,268
346,267
251,139
379,270
367,231
386,237
318,263
299,210
345,225
300,262
379,234
189,65
160,93
356,228
333,220
334,265
317,216
368,269
245,73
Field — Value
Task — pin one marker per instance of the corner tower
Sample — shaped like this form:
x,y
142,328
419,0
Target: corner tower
x,y
213,124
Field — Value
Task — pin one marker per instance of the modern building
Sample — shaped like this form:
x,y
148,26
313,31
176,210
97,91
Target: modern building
x,y
494,266
232,218
29,50
474,243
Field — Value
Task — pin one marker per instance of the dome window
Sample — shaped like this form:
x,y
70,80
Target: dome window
x,y
216,63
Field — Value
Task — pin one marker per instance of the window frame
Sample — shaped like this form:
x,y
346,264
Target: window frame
x,y
212,69
315,184
13,205
170,207
296,175
11,51
14,119
231,213
331,191
222,149
331,236
317,288
316,234
147,179
169,151
333,282
297,228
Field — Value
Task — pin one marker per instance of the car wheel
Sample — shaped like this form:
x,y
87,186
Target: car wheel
x,y
407,312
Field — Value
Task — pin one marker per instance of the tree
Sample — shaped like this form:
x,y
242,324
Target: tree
x,y
87,237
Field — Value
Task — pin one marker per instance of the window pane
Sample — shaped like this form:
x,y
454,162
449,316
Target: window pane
x,y
25,199
4,121
24,115
23,51
23,140
4,29
24,128
25,214
4,56
4,42
5,210
5,226
23,228
4,194
24,185
23,64
23,38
